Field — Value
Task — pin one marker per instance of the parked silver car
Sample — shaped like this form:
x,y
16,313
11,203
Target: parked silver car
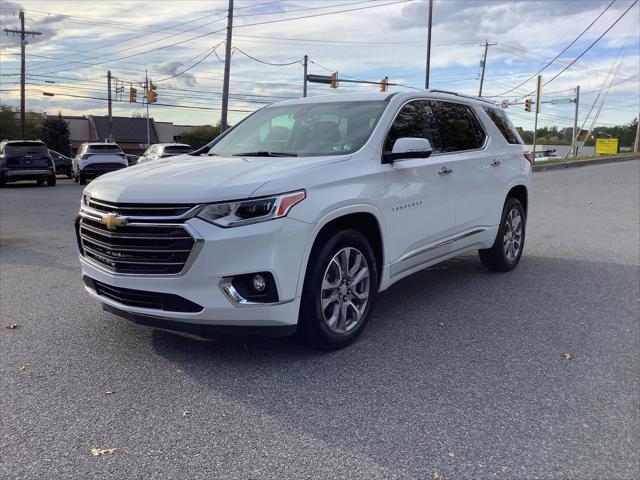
x,y
163,150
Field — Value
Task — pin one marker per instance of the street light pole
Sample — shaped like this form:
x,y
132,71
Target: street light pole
x,y
428,66
575,122
304,84
227,70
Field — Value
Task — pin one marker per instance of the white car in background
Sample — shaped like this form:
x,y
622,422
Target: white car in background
x,y
297,217
95,159
164,150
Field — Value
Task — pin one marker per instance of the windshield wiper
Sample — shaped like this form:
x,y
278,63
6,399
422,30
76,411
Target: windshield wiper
x,y
265,154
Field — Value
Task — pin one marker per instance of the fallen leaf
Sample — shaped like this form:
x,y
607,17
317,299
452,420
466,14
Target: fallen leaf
x,y
108,392
451,455
585,425
504,468
98,452
441,324
567,356
185,413
12,326
436,475
178,370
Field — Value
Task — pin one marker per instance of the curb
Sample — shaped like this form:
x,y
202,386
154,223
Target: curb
x,y
582,163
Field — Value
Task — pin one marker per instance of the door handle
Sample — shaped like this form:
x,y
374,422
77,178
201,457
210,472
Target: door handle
x,y
445,171
496,163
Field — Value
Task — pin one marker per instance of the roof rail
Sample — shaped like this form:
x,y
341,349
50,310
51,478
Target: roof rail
x,y
462,95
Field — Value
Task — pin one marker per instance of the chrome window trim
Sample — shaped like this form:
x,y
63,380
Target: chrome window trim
x,y
468,105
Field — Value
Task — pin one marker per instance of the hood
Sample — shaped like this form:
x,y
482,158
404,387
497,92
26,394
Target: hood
x,y
191,179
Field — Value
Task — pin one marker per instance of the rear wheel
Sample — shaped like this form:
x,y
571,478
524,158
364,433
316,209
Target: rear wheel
x,y
82,179
339,290
69,173
51,180
506,251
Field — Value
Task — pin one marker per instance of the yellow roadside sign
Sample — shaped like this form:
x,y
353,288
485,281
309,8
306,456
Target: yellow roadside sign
x,y
606,146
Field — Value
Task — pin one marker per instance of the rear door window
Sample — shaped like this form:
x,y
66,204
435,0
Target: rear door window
x,y
502,122
175,149
106,148
26,148
415,119
459,128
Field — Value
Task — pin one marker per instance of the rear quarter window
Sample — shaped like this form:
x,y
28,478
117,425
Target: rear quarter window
x,y
459,127
502,123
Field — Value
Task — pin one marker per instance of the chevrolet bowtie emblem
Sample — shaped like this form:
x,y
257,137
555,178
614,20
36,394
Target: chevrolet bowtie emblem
x,y
113,221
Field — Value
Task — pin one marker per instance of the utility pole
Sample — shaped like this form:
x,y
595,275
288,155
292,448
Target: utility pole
x,y
304,85
146,93
484,64
428,66
535,123
636,144
575,122
227,69
22,33
109,107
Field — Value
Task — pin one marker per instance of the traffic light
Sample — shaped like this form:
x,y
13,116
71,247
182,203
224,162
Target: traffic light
x,y
133,95
152,95
527,105
384,84
334,80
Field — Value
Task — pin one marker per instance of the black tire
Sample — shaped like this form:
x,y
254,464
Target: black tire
x,y
312,326
51,180
69,173
3,181
496,258
82,179
40,181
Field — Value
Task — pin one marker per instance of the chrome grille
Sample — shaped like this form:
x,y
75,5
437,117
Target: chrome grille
x,y
153,249
137,209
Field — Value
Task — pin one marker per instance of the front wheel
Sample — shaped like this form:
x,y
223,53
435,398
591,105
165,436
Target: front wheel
x,y
339,290
51,180
506,251
82,179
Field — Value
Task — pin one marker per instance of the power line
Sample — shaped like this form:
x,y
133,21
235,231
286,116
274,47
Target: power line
x,y
265,62
192,66
588,48
559,54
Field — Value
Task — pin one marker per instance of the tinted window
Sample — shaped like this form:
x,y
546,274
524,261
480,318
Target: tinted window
x,y
178,149
500,120
105,148
459,128
24,148
416,120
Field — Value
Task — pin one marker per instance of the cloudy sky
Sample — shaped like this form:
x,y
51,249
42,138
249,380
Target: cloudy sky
x,y
361,39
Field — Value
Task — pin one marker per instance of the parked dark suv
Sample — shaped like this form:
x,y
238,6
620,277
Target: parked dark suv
x,y
26,160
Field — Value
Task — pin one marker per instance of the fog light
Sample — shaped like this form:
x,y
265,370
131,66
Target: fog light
x,y
259,283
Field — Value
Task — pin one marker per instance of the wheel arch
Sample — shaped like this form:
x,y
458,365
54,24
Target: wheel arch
x,y
364,218
521,193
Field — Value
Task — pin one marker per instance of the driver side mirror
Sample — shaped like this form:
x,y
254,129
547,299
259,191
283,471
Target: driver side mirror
x,y
408,147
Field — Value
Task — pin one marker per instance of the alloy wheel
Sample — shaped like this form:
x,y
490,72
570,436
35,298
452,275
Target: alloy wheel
x,y
345,290
512,240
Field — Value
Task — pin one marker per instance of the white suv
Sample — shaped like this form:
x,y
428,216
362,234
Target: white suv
x,y
296,218
94,159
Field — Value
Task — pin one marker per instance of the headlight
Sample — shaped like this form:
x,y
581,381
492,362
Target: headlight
x,y
245,212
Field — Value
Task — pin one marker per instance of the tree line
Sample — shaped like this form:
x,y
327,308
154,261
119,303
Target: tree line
x,y
625,134
53,131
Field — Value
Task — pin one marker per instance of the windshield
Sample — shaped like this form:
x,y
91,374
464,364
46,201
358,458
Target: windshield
x,y
178,149
25,148
303,130
106,148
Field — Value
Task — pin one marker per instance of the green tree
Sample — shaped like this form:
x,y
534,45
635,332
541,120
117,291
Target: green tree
x,y
9,123
199,136
56,135
33,126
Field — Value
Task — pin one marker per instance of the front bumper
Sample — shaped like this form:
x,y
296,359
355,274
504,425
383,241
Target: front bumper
x,y
89,171
275,246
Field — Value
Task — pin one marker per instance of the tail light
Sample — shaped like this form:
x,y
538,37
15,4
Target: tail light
x,y
529,157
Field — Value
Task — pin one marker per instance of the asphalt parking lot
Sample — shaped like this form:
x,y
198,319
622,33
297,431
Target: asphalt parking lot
x,y
460,372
